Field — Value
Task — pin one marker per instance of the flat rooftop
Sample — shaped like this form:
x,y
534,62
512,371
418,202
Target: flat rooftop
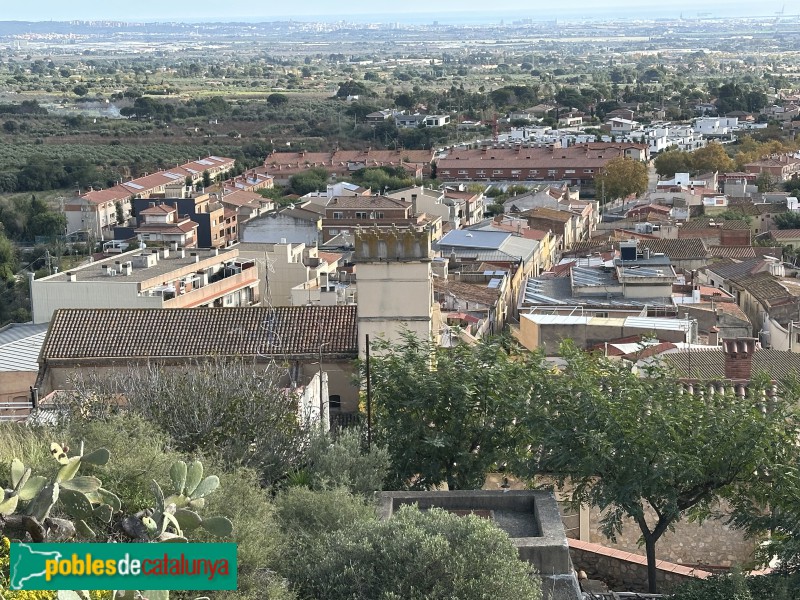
x,y
173,262
557,291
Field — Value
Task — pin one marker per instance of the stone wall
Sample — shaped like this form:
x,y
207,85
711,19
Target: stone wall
x,y
712,544
625,571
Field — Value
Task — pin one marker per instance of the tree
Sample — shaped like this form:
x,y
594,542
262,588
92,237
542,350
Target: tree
x,y
620,178
80,90
244,416
449,414
766,182
48,224
629,444
352,88
344,462
277,99
712,158
313,180
338,550
673,161
206,178
787,220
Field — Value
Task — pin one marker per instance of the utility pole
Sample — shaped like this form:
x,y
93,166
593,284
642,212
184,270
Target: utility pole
x,y
369,401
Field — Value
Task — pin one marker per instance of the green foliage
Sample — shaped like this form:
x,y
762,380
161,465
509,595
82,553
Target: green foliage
x,y
414,556
243,417
451,414
140,453
521,96
621,178
344,462
352,88
312,180
307,514
381,179
736,97
32,167
787,220
32,498
673,161
766,182
719,587
712,158
631,446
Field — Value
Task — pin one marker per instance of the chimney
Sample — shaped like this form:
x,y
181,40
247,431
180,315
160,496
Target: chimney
x,y
194,257
71,276
739,358
181,252
713,336
414,204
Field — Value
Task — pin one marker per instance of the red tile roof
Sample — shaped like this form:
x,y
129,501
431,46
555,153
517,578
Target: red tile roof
x,y
185,334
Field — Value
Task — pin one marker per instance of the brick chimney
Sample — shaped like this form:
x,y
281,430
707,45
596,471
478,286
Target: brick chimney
x,y
739,357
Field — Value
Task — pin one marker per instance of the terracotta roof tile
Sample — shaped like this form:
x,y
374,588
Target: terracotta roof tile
x,y
785,234
193,332
710,364
676,249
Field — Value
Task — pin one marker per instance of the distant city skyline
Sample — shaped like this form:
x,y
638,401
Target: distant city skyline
x,y
409,11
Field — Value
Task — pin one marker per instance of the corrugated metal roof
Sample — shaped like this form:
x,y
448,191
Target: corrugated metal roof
x,y
20,346
658,323
468,238
18,331
557,319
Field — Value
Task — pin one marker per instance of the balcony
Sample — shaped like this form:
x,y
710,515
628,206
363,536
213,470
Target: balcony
x,y
212,291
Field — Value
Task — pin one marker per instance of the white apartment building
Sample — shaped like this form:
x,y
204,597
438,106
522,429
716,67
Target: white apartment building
x,y
150,278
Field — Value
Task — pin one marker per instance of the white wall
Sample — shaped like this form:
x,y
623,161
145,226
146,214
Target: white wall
x,y
48,296
393,296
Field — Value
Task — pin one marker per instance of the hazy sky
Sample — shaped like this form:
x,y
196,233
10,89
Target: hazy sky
x,y
198,10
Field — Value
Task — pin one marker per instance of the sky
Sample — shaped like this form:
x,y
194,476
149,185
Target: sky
x,y
417,10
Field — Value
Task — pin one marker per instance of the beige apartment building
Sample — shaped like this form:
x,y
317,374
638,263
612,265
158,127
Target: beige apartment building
x,y
395,284
292,274
152,278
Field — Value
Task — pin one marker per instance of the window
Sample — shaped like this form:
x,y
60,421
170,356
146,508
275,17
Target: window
x,y
497,172
361,215
569,171
335,402
551,172
333,231
588,170
338,215
379,215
